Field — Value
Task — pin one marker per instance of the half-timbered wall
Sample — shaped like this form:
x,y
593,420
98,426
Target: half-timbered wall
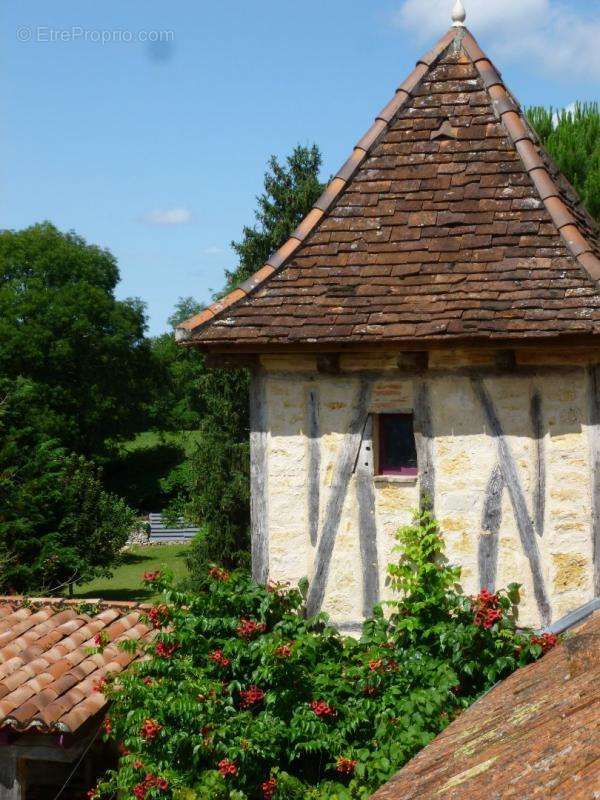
x,y
508,450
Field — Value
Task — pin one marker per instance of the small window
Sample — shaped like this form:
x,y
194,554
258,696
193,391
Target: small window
x,y
397,451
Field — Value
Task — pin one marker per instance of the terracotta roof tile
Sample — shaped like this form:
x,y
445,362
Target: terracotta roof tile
x,y
537,734
591,264
47,674
418,230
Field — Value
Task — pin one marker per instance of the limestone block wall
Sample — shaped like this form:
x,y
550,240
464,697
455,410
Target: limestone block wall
x,y
509,456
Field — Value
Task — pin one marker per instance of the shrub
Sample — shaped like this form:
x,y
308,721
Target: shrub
x,y
245,698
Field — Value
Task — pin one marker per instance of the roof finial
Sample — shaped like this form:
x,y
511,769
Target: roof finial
x,y
459,15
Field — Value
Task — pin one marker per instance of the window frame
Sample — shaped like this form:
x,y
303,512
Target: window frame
x,y
382,470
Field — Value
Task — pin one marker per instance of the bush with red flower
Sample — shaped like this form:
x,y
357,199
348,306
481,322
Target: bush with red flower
x,y
150,729
249,628
218,574
346,766
144,787
244,698
545,642
217,657
251,697
228,768
165,649
322,709
269,788
283,651
487,608
159,616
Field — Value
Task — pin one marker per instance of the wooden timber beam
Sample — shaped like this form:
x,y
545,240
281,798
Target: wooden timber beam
x,y
12,777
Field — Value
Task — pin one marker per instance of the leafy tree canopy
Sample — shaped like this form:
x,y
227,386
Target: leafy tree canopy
x,y
185,308
57,523
178,405
572,138
62,328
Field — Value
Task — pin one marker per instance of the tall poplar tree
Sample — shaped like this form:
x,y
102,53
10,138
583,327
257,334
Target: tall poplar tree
x,y
572,138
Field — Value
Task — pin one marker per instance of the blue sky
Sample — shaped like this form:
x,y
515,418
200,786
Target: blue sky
x,y
157,151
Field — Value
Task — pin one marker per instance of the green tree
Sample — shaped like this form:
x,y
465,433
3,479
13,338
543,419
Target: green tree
x,y
291,190
62,328
57,523
213,484
179,404
185,308
139,470
572,138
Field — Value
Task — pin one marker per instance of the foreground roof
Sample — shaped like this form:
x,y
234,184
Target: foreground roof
x,y
448,221
536,735
47,674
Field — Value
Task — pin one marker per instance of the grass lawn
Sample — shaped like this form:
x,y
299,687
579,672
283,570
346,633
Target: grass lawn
x,y
149,439
126,582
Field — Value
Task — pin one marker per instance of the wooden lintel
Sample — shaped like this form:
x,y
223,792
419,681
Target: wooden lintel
x,y
12,777
402,345
35,746
231,361
505,359
415,361
41,753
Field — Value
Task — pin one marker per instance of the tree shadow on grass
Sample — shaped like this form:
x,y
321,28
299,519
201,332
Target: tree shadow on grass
x,y
135,592
133,558
153,554
138,594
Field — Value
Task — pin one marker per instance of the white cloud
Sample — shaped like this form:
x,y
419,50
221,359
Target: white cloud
x,y
213,250
550,34
433,16
168,216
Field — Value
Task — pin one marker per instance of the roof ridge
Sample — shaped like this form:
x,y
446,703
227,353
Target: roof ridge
x,y
527,146
24,600
277,260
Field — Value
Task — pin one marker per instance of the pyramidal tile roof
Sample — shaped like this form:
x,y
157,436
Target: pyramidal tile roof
x,y
447,222
49,673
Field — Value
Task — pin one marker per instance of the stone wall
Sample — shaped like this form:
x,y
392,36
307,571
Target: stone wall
x,y
506,445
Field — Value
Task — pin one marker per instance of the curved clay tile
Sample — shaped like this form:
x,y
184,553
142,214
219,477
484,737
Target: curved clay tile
x,y
50,686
